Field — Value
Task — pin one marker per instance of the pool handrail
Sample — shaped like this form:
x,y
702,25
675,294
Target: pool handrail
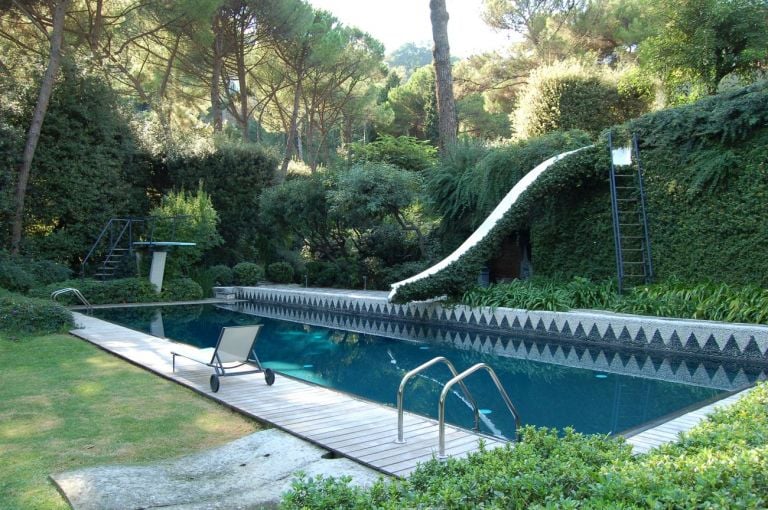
x,y
79,295
424,366
458,379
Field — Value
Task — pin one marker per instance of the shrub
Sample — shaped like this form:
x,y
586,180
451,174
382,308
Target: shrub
x,y
47,271
13,277
124,290
19,314
339,273
181,289
248,273
280,272
234,175
719,464
404,152
569,95
221,275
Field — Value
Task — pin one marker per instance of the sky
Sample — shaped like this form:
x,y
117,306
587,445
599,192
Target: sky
x,y
396,22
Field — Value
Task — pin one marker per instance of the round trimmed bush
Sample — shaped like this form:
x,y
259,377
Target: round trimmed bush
x,y
221,275
182,289
248,273
280,272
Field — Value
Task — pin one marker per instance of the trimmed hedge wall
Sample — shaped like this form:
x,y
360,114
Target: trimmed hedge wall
x,y
706,177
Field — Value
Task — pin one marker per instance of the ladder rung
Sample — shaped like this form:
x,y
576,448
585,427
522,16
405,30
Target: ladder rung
x,y
632,263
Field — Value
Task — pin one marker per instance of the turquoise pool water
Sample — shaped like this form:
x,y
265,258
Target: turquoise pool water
x,y
372,366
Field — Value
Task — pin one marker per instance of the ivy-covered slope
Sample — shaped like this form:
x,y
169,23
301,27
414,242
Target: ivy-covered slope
x,y
706,172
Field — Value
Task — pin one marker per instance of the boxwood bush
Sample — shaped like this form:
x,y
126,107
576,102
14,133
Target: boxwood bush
x,y
21,314
719,464
248,273
181,289
280,272
221,275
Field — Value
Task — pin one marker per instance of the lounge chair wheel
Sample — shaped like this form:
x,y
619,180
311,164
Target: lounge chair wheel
x,y
269,376
214,383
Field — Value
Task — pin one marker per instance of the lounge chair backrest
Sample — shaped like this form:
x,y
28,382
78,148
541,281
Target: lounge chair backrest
x,y
235,343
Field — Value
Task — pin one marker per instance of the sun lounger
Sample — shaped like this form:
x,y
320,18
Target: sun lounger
x,y
234,349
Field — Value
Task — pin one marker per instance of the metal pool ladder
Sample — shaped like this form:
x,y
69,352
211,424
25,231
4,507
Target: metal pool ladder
x,y
457,379
70,290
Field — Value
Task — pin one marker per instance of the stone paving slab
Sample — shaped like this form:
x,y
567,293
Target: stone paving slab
x,y
252,472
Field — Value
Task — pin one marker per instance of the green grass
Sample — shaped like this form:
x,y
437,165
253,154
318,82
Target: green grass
x,y
65,404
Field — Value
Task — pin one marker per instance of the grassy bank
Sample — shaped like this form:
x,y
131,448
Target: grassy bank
x,y
65,404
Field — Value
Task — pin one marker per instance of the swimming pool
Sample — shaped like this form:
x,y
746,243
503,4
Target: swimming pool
x,y
371,367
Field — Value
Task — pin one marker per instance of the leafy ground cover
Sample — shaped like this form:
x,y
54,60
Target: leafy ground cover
x,y
672,298
64,405
719,464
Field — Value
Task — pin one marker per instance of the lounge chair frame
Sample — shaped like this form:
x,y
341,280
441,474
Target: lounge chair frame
x,y
223,362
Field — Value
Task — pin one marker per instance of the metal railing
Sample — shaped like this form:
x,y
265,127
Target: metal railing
x,y
458,379
404,381
70,290
123,231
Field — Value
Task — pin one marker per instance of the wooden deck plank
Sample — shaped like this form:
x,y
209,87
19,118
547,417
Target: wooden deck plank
x,y
359,429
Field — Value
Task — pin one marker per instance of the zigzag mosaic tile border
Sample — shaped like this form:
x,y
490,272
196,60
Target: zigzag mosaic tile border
x,y
727,341
579,339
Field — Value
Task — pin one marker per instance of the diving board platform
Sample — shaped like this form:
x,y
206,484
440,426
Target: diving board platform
x,y
346,425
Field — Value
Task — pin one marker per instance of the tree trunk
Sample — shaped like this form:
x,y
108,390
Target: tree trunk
x,y
291,141
446,106
218,61
242,81
33,135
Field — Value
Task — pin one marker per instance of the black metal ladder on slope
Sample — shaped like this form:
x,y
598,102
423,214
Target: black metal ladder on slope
x,y
634,265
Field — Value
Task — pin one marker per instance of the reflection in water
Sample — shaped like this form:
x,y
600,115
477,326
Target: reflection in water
x,y
545,394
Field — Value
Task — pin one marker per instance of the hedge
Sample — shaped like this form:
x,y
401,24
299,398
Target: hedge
x,y
721,463
706,179
20,314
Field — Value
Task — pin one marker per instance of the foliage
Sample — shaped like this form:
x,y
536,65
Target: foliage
x,y
186,217
472,179
706,301
123,290
22,273
86,169
718,464
14,277
718,234
341,272
572,96
703,41
404,152
414,106
221,275
234,177
280,272
20,314
67,405
181,289
248,273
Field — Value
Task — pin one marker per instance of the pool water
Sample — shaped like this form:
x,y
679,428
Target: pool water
x,y
372,366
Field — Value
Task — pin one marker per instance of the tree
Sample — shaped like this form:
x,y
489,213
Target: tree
x,y
409,57
538,21
703,41
446,106
33,135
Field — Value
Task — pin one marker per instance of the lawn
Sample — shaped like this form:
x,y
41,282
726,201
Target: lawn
x,y
65,404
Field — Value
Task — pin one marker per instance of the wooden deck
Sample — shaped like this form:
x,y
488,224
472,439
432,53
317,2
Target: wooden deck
x,y
351,427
